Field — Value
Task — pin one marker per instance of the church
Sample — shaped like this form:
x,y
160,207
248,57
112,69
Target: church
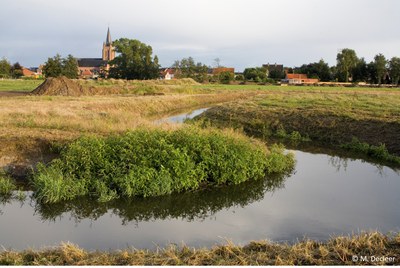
x,y
94,67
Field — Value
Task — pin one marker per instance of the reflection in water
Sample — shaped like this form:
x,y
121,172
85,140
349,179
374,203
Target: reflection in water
x,y
189,206
326,196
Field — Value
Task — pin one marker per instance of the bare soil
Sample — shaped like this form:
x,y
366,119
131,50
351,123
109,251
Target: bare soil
x,y
60,86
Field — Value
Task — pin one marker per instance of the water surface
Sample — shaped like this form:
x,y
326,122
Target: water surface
x,y
325,196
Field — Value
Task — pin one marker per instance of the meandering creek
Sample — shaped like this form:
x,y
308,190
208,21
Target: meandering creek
x,y
325,196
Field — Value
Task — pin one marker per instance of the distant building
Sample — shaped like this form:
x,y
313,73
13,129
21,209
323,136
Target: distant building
x,y
28,73
218,70
93,67
33,72
298,79
167,73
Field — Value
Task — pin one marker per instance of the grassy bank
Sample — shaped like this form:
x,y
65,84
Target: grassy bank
x,y
30,124
330,117
377,248
155,162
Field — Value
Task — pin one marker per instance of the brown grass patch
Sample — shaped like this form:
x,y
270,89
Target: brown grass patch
x,y
336,251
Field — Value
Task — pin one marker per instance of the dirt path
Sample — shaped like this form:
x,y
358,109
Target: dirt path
x,y
13,93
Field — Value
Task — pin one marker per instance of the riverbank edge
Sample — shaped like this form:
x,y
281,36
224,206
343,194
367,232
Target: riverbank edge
x,y
368,248
332,131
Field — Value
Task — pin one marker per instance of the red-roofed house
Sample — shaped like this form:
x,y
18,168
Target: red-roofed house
x,y
299,79
167,74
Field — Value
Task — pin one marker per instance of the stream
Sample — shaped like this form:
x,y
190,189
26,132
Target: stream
x,y
325,196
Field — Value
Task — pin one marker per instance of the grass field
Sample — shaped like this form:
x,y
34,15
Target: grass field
x,y
19,85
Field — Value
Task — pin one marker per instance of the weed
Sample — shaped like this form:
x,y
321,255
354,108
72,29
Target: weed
x,y
7,186
379,152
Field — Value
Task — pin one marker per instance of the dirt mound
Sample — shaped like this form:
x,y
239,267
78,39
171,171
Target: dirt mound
x,y
60,86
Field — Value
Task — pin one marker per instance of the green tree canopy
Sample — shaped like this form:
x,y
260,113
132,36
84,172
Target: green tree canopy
x,y
134,61
346,62
319,70
188,68
70,67
16,70
257,74
5,68
394,70
53,66
226,77
58,66
380,66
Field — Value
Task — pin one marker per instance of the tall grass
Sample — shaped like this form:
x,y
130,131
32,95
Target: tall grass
x,y
155,162
379,152
7,186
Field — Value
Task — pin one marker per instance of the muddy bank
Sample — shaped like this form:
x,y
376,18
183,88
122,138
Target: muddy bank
x,y
325,127
18,156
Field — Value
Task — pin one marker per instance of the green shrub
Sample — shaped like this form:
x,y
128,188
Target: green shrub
x,y
154,162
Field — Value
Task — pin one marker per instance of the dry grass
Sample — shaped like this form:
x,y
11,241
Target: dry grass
x,y
29,124
336,251
105,114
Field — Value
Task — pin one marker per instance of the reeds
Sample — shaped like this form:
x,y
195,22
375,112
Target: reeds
x,y
364,249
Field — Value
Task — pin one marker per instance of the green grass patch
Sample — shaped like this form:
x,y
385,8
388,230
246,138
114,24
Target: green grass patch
x,y
7,186
155,162
379,152
19,84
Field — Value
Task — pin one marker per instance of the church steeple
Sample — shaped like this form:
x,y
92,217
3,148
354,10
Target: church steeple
x,y
108,50
108,39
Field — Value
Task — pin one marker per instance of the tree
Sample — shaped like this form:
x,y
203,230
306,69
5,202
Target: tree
x,y
53,66
319,70
70,67
135,60
188,68
372,73
380,67
5,68
360,72
257,74
16,70
394,70
217,63
346,62
226,77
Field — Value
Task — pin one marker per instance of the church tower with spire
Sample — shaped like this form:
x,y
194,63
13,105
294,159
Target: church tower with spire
x,y
108,49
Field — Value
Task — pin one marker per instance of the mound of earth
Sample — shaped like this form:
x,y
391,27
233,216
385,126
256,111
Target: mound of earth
x,y
60,86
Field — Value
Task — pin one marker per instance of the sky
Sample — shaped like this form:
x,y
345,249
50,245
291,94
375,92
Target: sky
x,y
241,33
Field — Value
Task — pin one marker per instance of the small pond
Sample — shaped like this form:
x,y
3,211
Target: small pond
x,y
325,196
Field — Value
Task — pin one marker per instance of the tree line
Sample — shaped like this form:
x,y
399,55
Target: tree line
x,y
8,70
349,68
135,60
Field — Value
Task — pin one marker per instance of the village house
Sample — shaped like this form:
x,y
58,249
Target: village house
x,y
218,70
167,74
298,79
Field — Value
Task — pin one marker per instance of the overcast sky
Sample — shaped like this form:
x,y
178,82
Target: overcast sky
x,y
241,33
